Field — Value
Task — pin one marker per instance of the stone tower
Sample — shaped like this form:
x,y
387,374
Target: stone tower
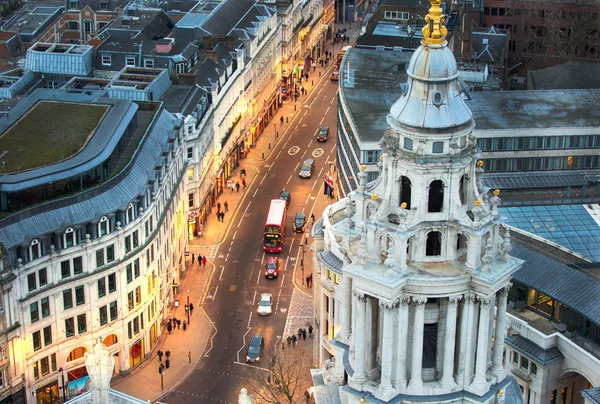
x,y
424,256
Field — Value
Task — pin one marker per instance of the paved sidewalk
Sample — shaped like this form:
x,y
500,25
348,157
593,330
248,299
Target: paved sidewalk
x,y
144,381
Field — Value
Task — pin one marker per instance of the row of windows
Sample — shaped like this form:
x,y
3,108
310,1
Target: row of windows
x,y
524,363
107,310
134,326
539,143
81,325
396,15
43,366
130,61
34,309
542,163
131,303
533,13
37,338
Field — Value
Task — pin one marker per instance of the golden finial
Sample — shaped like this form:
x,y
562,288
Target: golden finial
x,y
496,192
403,205
478,202
434,31
363,167
374,197
380,158
480,163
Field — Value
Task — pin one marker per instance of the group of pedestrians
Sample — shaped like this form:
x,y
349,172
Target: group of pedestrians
x,y
174,323
308,280
221,215
201,260
292,340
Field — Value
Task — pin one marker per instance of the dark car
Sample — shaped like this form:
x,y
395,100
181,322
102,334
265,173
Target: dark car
x,y
255,349
307,168
272,267
323,134
286,196
299,222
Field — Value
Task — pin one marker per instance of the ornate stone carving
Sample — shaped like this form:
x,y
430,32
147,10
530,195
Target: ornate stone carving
x,y
453,300
363,253
371,212
332,373
404,302
495,201
420,147
419,300
244,398
118,226
390,261
388,305
506,245
349,208
487,258
360,296
100,364
484,300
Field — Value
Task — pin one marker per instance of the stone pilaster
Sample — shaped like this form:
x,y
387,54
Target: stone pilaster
x,y
401,342
449,342
361,343
497,367
479,383
346,308
415,385
388,309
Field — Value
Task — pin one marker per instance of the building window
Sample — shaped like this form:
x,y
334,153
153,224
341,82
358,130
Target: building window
x,y
408,143
190,152
99,258
129,213
42,277
149,63
79,295
127,244
130,303
103,226
130,61
138,295
524,362
69,327
73,25
515,358
31,282
106,60
113,311
44,366
35,250
103,315
136,268
191,200
436,196
112,283
67,299
81,323
65,269
104,5
534,368
101,287
34,312
191,174
47,335
396,15
135,239
77,265
110,253
69,238
129,273
45,303
437,147
72,4
433,246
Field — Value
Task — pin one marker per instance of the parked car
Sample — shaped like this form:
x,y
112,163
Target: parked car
x,y
307,168
299,222
255,349
286,196
265,305
323,134
272,267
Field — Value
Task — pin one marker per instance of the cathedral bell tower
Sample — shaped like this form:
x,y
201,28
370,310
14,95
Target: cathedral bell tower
x,y
426,263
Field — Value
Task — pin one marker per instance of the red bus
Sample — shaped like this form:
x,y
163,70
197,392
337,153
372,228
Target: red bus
x,y
275,226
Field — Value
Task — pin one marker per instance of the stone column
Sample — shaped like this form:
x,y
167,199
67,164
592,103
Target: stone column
x,y
361,343
449,342
402,340
482,343
497,368
415,385
388,309
346,306
330,317
400,253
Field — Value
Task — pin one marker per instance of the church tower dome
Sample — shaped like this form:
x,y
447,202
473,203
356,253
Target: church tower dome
x,y
421,253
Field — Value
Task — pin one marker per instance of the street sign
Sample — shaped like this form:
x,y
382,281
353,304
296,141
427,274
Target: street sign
x,y
187,253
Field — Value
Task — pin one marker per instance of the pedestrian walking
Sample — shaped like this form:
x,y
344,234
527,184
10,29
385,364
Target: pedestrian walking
x,y
185,326
294,339
218,206
237,186
218,215
289,340
169,328
186,308
310,280
304,334
160,355
281,119
244,183
191,308
310,330
312,217
192,258
204,261
179,324
222,216
168,354
307,280
226,206
199,260
299,332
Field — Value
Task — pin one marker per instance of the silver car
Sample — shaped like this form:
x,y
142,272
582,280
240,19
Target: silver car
x,y
265,305
307,168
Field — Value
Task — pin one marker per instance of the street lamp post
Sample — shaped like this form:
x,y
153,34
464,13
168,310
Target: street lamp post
x,y
64,393
188,306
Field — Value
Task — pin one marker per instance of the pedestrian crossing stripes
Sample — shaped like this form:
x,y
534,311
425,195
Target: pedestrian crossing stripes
x,y
301,313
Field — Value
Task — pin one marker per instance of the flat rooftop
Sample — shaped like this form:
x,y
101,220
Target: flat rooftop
x,y
66,129
32,16
376,86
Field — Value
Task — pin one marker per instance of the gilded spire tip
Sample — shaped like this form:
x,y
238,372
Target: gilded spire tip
x,y
434,31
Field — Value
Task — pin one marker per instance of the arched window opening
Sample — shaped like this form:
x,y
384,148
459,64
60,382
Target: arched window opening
x,y
461,242
103,226
405,190
129,213
35,250
436,196
434,244
110,340
76,353
461,190
69,238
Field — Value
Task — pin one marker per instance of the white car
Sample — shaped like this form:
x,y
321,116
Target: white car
x,y
265,304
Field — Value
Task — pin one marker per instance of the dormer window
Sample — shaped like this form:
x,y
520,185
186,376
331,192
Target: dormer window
x,y
73,4
103,226
35,250
69,238
129,213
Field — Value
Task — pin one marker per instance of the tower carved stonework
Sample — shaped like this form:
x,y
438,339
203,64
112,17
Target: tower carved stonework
x,y
100,364
424,253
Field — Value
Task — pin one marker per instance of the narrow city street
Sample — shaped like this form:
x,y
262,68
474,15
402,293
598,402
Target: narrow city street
x,y
238,278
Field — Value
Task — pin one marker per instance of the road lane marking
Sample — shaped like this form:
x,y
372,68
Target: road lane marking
x,y
288,181
249,319
303,154
215,294
293,150
263,258
222,270
309,143
296,168
307,198
291,244
234,234
258,277
242,218
252,366
276,157
255,192
327,110
321,123
321,171
261,181
244,339
254,299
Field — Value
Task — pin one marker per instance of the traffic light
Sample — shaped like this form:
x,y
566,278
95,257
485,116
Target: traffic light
x,y
160,369
167,364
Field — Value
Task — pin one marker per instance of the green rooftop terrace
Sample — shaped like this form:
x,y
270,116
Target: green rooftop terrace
x,y
48,133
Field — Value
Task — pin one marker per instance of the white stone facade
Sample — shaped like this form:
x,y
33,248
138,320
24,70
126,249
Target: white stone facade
x,y
415,264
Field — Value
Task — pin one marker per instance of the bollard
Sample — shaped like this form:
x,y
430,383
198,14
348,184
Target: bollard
x,y
319,74
190,356
294,107
269,145
276,135
263,155
286,119
312,82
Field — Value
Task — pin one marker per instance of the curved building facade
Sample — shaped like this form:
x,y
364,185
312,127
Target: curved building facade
x,y
96,261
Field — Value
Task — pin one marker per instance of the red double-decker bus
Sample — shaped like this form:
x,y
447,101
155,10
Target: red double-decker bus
x,y
274,227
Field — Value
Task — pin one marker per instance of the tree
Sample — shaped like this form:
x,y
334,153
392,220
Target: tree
x,y
286,381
